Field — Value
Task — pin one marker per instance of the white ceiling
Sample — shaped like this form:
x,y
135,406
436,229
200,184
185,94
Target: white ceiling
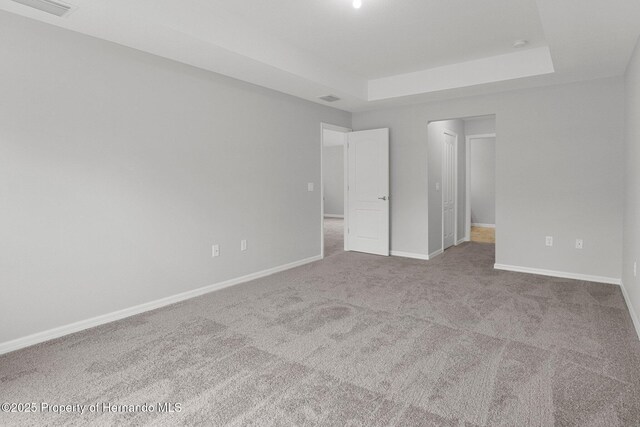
x,y
389,52
388,37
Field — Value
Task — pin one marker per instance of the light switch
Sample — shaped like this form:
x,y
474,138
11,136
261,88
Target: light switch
x,y
310,186
437,186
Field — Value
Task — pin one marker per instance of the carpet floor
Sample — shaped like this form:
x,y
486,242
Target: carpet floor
x,y
333,236
354,339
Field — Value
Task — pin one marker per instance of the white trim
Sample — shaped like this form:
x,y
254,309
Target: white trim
x,y
464,239
336,128
409,255
434,254
478,224
333,216
562,274
467,174
455,187
345,183
632,311
71,328
329,126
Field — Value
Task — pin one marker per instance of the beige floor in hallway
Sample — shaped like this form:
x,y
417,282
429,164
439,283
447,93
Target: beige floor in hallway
x,y
354,339
483,234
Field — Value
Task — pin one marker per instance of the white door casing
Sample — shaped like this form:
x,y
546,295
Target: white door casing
x,y
449,146
367,201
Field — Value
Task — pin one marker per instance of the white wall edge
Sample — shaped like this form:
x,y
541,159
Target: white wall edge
x,y
632,311
71,328
409,255
477,224
562,274
333,216
435,253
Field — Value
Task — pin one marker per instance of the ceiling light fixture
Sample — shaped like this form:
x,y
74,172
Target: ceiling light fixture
x,y
520,43
357,4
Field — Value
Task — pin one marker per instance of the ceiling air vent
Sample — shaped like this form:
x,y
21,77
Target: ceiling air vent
x,y
330,98
49,6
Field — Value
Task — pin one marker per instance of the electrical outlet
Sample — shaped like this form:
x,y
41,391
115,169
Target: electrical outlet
x,y
579,244
215,251
243,245
549,241
310,186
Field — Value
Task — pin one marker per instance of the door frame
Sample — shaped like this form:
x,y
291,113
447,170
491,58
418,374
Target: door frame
x,y
455,187
323,127
467,189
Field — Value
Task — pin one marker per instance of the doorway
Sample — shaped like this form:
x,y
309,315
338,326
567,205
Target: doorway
x,y
333,148
481,180
461,182
355,190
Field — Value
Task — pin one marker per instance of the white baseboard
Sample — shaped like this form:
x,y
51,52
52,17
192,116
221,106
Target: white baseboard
x,y
632,311
409,255
461,241
477,224
39,337
562,274
333,216
435,253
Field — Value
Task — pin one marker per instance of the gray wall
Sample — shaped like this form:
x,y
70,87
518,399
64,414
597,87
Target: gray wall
x,y
119,170
631,248
482,159
558,156
480,125
333,176
435,139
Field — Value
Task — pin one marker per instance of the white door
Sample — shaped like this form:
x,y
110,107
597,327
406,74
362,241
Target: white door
x,y
368,191
448,190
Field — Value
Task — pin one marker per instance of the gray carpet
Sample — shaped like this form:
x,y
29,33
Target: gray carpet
x,y
333,236
354,340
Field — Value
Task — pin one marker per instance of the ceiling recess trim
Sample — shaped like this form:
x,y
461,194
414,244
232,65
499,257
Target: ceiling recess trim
x,y
48,6
526,63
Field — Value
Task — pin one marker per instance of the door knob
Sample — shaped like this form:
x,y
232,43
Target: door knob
x,y
383,198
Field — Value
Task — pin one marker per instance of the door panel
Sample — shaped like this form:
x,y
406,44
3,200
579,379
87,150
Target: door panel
x,y
448,190
368,191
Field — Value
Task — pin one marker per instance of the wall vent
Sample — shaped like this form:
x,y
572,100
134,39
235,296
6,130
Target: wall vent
x,y
329,98
49,6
